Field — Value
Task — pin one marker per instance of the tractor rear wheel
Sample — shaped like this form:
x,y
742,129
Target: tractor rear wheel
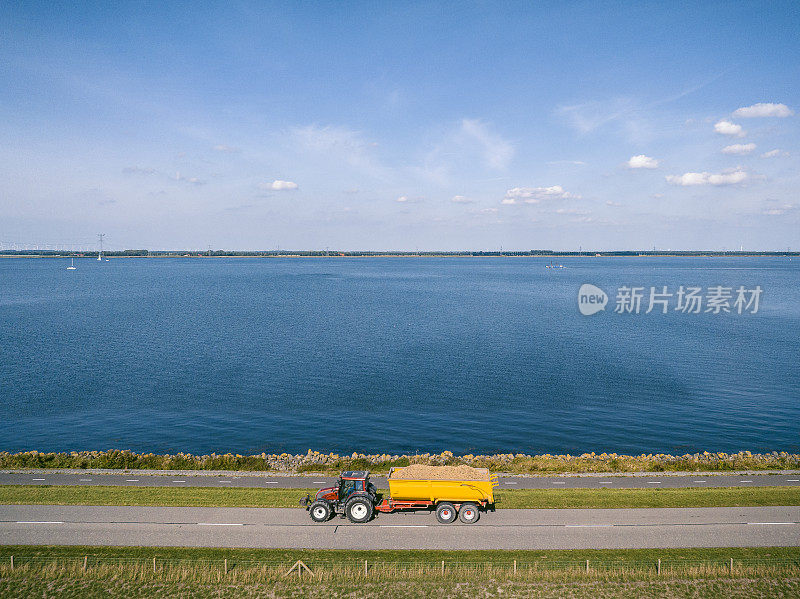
x,y
320,511
358,510
469,513
446,513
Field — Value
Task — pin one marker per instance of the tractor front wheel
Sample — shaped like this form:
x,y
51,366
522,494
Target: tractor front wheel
x,y
358,510
320,511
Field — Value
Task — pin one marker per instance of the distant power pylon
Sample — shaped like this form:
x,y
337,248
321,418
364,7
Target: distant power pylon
x,y
100,238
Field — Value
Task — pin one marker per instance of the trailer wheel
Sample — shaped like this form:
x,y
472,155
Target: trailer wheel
x,y
446,513
358,510
469,513
320,511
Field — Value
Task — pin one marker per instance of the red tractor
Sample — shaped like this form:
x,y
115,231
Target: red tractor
x,y
353,496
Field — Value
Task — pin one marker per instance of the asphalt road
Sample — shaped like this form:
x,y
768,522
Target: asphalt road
x,y
504,529
301,482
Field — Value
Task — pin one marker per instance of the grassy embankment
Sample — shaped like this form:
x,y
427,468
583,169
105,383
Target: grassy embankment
x,y
523,498
330,463
129,572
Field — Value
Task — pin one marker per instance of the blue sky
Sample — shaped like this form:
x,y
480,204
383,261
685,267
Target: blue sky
x,y
233,125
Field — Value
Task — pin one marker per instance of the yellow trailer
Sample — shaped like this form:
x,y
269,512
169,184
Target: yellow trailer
x,y
435,491
450,498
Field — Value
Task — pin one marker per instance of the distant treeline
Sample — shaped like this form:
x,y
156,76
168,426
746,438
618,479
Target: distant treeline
x,y
334,253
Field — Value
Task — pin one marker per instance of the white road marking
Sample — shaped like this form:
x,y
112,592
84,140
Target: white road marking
x,y
793,480
224,481
559,482
179,481
85,480
219,524
131,480
319,482
653,482
271,482
512,483
745,481
698,481
37,522
38,479
606,482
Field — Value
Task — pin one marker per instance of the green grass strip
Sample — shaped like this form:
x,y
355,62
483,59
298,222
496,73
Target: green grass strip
x,y
409,555
523,498
649,498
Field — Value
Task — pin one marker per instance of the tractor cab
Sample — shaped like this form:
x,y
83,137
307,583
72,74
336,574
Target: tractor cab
x,y
352,481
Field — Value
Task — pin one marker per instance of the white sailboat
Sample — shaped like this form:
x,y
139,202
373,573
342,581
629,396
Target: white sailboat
x,y
72,265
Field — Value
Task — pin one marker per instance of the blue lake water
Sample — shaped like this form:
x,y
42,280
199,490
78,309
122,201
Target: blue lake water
x,y
392,354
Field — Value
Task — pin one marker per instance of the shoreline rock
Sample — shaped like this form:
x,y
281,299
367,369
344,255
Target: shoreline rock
x,y
315,461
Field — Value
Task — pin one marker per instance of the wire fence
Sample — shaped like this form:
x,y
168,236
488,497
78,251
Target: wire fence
x,y
321,568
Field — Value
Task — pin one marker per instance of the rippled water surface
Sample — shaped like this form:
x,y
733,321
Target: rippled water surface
x,y
392,354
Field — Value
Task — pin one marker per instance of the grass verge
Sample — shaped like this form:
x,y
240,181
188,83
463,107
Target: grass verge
x,y
523,498
131,572
84,587
433,556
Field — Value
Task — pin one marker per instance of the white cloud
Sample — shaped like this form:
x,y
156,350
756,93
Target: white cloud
x,y
589,116
333,146
226,148
779,209
572,162
496,151
729,177
763,109
461,200
278,185
613,204
739,149
642,161
574,211
139,170
534,195
402,199
773,153
728,128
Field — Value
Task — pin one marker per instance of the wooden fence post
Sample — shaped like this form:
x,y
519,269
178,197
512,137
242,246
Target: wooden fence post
x,y
154,565
365,567
515,566
85,560
658,571
226,565
300,566
587,566
12,562
442,567
731,566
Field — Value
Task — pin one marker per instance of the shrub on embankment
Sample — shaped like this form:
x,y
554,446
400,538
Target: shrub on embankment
x,y
314,461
